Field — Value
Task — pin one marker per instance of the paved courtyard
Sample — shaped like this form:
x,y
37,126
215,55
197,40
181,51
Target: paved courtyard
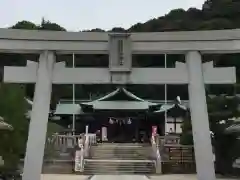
x,y
119,177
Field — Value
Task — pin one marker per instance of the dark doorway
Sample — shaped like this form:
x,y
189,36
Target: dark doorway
x,y
122,131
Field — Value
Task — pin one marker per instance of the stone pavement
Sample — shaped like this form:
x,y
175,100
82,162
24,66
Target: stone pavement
x,y
63,177
119,177
180,177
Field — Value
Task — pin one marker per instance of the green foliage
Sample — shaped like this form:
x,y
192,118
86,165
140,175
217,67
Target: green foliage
x,y
219,108
47,25
94,30
12,109
216,23
118,29
25,25
226,146
216,14
50,151
187,137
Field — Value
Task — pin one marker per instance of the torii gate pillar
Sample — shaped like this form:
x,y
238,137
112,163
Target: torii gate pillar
x,y
199,116
39,117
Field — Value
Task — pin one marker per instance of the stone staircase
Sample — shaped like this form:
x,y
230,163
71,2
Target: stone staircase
x,y
120,159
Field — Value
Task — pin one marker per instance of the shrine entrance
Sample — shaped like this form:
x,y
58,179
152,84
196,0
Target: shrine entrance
x,y
125,115
122,131
134,129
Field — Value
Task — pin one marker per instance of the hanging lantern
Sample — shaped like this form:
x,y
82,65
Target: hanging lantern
x,y
129,121
111,121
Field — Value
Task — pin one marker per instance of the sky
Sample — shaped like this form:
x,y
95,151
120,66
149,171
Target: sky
x,y
76,15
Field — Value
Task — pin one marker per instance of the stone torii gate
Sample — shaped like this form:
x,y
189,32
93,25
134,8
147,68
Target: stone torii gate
x,y
120,48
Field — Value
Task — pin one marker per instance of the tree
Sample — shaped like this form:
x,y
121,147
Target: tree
x,y
220,110
94,30
13,108
187,137
25,25
118,29
47,25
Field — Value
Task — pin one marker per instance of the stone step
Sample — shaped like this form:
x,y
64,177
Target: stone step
x,y
58,167
133,153
118,162
125,171
119,167
124,144
121,154
118,171
120,147
122,164
120,158
121,150
110,167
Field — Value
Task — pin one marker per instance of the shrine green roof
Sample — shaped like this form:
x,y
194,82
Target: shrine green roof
x,y
167,107
120,99
233,129
68,109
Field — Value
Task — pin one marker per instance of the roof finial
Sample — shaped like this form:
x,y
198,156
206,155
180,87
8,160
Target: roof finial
x,y
178,100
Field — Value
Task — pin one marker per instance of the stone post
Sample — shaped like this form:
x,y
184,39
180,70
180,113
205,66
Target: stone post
x,y
39,118
199,115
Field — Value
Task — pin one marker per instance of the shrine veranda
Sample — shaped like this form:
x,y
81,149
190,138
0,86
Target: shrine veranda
x,y
119,47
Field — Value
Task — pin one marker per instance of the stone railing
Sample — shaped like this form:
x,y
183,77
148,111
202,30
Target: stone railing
x,y
83,150
178,159
81,144
1,161
156,153
171,156
63,142
169,139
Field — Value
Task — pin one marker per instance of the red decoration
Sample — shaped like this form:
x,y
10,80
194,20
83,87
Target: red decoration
x,y
154,130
